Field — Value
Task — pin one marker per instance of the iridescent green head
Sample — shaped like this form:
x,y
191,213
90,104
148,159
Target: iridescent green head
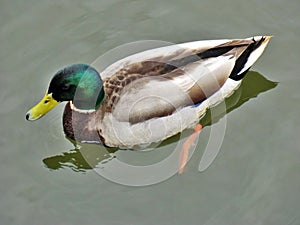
x,y
78,83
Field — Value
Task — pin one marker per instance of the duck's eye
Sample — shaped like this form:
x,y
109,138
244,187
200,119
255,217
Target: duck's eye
x,y
46,101
66,87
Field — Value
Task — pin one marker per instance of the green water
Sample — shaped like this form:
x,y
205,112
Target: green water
x,y
45,180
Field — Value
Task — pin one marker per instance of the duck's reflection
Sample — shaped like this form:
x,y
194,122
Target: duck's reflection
x,y
89,156
86,157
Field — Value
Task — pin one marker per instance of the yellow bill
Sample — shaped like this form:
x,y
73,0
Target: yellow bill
x,y
40,109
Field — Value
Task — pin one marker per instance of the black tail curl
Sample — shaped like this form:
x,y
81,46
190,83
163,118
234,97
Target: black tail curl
x,y
242,60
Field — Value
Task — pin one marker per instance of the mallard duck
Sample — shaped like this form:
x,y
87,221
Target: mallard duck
x,y
149,96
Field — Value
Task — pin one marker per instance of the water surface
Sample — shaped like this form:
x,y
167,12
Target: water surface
x,y
45,180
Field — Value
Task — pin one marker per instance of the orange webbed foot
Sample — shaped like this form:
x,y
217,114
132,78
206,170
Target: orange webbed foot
x,y
186,146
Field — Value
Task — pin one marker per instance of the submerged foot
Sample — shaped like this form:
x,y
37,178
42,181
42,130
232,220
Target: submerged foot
x,y
186,146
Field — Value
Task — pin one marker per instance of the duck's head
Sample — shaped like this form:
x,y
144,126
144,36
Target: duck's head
x,y
78,83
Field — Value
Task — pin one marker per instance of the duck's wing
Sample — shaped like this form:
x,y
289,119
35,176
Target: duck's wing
x,y
159,85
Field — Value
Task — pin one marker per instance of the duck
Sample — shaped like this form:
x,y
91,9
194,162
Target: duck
x,y
149,96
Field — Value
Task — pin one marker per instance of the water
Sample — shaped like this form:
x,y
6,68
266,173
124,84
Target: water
x,y
45,180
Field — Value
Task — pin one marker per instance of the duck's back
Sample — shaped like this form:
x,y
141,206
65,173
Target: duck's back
x,y
156,82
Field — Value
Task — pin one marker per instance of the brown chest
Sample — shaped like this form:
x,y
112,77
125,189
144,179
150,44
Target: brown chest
x,y
81,127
